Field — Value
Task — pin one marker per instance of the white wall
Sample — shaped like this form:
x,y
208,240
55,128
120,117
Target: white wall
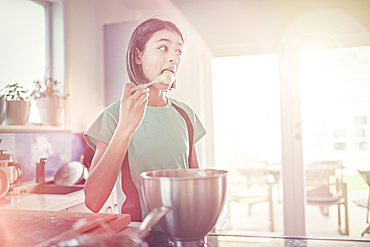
x,y
84,20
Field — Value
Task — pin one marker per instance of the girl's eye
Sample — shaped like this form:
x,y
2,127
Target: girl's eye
x,y
163,48
179,52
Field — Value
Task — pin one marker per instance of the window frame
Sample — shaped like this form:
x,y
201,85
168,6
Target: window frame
x,y
48,35
54,62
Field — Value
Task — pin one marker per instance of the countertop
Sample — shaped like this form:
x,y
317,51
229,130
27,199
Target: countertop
x,y
45,228
49,202
46,202
43,202
41,228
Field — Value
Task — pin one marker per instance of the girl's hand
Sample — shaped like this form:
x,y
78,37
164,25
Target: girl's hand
x,y
132,107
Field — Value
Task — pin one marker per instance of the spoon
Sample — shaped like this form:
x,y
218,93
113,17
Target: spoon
x,y
167,77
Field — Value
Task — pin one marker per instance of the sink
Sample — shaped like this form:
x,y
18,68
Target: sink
x,y
47,188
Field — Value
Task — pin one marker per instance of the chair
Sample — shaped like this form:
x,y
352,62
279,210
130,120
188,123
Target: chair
x,y
366,176
249,183
325,187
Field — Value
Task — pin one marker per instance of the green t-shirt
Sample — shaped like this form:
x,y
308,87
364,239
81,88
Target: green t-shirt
x,y
161,141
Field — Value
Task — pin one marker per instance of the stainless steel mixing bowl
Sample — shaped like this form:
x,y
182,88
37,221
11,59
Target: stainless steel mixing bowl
x,y
196,198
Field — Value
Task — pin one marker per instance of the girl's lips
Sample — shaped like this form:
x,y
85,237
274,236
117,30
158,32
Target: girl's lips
x,y
168,70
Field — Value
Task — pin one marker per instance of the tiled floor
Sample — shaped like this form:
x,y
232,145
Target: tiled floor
x,y
317,224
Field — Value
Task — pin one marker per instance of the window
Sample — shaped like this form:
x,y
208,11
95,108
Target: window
x,y
31,44
340,146
361,146
339,133
360,133
23,46
247,129
360,120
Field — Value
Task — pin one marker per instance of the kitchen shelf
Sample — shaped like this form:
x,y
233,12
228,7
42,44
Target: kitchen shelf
x,y
32,129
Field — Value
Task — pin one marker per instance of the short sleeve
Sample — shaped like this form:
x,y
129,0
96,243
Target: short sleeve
x,y
103,127
199,130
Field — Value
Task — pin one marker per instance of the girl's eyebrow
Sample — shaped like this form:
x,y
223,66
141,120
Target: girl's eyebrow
x,y
169,41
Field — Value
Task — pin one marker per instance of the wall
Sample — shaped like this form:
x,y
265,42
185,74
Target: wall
x,y
239,27
29,148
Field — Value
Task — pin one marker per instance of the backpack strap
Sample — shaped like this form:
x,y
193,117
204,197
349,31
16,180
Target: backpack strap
x,y
190,130
132,203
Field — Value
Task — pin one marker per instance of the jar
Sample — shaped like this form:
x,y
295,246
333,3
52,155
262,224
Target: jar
x,y
6,160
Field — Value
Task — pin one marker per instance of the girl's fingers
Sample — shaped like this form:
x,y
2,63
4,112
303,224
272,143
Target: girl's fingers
x,y
137,94
138,98
141,95
126,90
144,97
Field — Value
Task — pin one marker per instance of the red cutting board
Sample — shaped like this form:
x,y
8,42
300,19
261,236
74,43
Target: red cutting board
x,y
32,228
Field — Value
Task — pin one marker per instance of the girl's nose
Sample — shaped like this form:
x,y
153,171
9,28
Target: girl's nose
x,y
172,57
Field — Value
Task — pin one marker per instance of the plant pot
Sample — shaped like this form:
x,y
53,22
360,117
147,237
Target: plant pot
x,y
18,112
2,109
50,110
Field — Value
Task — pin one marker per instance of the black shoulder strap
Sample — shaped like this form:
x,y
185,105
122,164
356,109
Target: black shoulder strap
x,y
132,203
190,130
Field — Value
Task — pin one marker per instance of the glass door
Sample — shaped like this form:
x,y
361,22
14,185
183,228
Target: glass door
x,y
335,110
246,94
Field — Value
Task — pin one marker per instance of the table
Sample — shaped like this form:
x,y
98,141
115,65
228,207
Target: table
x,y
275,170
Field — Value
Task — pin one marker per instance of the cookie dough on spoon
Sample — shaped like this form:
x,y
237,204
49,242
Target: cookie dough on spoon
x,y
167,77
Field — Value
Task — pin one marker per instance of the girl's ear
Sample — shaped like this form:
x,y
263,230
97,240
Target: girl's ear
x,y
138,55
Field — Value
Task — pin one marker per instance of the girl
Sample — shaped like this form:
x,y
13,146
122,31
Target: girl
x,y
145,130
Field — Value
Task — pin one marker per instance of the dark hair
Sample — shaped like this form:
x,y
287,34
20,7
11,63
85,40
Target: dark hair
x,y
138,40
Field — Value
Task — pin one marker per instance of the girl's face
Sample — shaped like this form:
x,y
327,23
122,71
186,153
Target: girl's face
x,y
162,52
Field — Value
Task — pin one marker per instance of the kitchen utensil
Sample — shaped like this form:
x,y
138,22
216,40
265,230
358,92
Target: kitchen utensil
x,y
72,173
4,183
196,198
167,77
13,173
6,160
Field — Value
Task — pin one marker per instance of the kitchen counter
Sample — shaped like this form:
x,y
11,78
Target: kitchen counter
x,y
43,202
36,205
44,228
46,202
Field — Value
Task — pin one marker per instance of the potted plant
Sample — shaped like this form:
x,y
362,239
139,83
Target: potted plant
x,y
18,104
49,101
